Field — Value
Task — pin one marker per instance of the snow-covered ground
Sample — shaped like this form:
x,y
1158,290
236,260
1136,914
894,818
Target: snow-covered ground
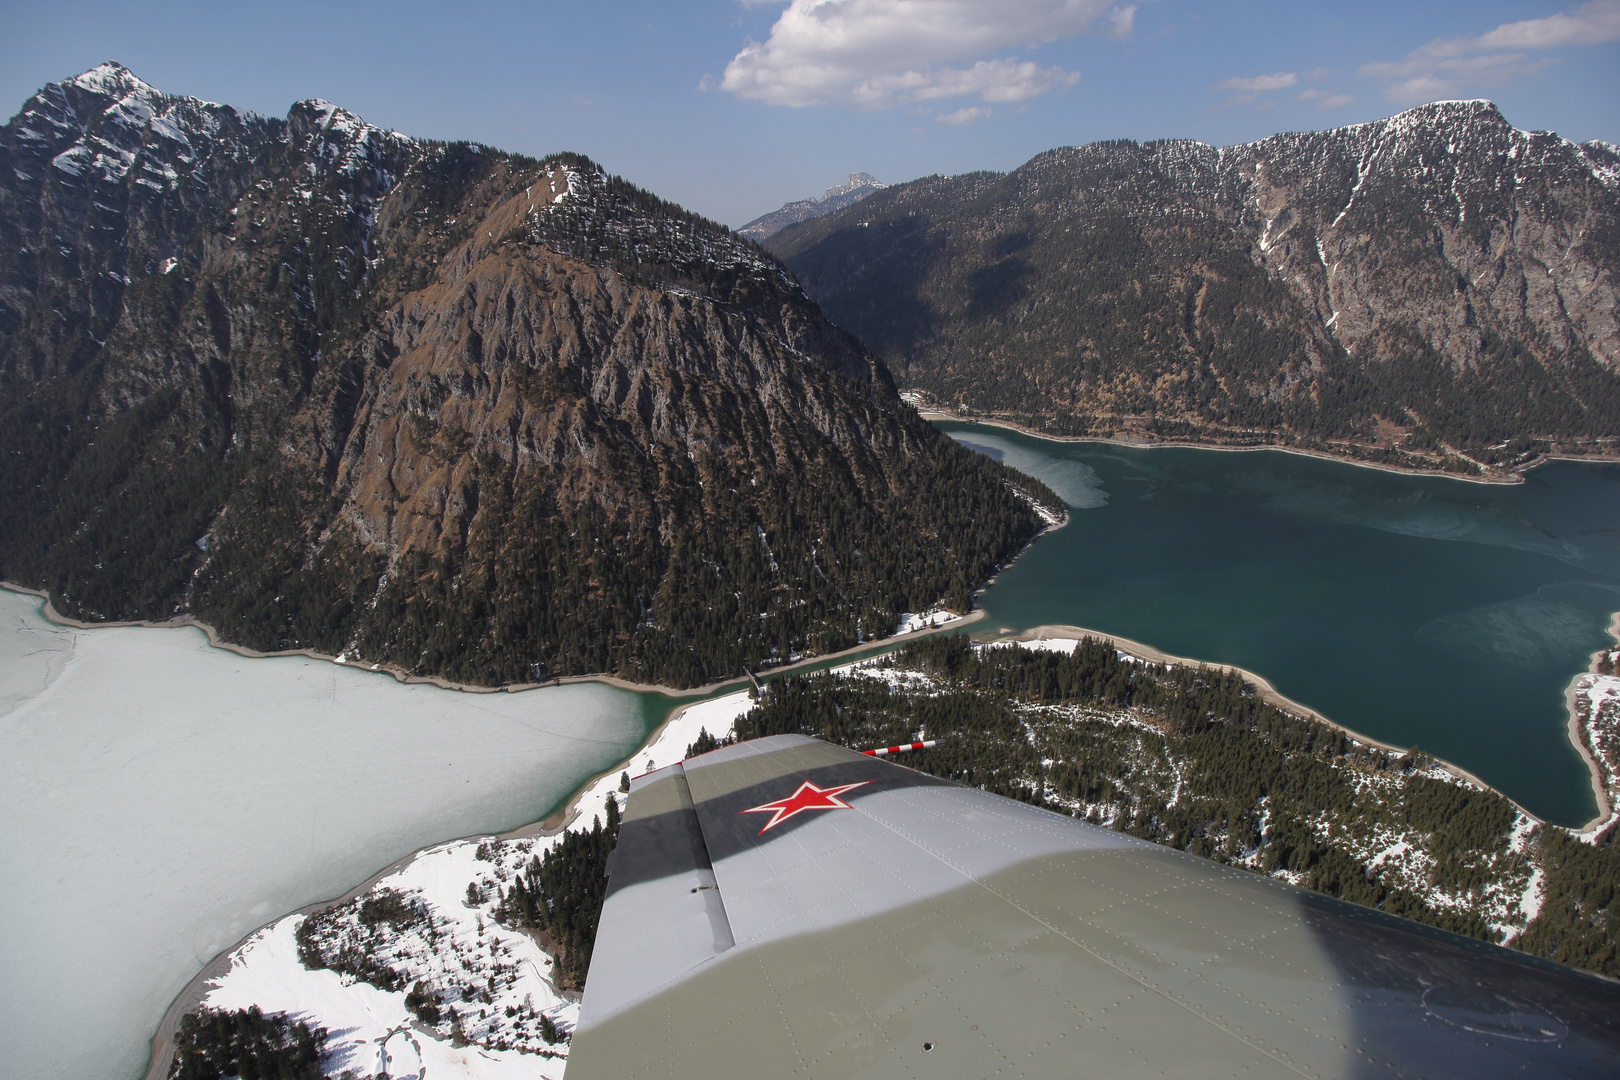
x,y
498,979
1057,645
667,746
372,1033
925,620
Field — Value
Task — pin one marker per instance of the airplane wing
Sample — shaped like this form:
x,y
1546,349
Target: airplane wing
x,y
788,908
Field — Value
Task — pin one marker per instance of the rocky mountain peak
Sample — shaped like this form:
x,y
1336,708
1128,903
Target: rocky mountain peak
x,y
112,79
856,182
581,211
336,126
105,124
337,141
857,187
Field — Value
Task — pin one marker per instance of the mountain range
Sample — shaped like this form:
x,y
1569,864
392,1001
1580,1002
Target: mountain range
x,y
1437,289
443,408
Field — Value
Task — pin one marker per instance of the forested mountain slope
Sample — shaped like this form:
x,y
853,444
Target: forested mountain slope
x,y
1435,279
442,407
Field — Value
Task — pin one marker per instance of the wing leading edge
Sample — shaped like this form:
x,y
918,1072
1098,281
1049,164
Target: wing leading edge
x,y
923,928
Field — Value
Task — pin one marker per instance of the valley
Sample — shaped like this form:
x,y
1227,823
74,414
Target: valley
x,y
499,479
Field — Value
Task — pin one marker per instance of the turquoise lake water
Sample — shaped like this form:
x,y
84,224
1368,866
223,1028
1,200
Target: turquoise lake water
x,y
1422,611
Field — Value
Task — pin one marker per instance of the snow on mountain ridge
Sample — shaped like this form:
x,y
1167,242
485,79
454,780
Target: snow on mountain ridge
x,y
1606,173
856,182
114,80
127,118
107,120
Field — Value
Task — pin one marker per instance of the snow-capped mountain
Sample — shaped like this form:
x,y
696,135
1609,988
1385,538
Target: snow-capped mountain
x,y
857,187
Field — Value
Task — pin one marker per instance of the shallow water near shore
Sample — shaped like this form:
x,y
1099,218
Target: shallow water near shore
x,y
161,799
1419,610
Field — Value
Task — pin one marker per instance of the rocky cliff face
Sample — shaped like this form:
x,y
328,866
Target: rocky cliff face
x,y
1437,277
442,407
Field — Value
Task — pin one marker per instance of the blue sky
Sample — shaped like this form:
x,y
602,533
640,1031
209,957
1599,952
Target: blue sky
x,y
732,108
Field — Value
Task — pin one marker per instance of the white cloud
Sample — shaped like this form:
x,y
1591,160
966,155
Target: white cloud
x,y
1000,82
1447,66
1259,84
1589,24
969,115
874,54
1326,99
1121,21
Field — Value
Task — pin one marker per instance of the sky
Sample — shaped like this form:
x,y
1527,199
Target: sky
x,y
733,107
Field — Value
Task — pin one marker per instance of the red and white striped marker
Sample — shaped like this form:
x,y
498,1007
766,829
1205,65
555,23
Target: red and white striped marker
x,y
902,748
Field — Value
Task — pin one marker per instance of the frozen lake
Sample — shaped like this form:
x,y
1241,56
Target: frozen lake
x,y
161,799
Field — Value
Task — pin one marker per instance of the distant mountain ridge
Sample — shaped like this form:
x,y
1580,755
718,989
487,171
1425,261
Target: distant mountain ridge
x,y
857,187
1437,281
440,407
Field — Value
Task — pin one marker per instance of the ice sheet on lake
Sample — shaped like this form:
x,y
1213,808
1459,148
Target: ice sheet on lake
x,y
1532,632
1413,507
1075,482
162,799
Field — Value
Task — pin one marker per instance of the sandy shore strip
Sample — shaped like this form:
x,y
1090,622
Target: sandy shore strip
x,y
1583,737
400,675
1269,693
1578,717
1514,475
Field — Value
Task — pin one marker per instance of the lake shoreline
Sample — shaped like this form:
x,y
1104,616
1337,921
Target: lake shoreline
x,y
1513,476
400,675
1578,718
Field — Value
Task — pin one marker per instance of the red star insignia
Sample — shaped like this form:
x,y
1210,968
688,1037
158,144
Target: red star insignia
x,y
808,797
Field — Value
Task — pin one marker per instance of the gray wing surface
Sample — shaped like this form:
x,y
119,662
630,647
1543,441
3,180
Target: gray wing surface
x,y
927,929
